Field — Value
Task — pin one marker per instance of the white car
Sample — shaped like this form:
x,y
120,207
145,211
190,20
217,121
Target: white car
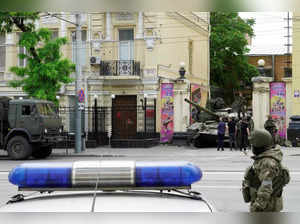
x,y
106,186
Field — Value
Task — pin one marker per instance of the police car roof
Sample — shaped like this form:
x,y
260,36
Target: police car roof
x,y
132,201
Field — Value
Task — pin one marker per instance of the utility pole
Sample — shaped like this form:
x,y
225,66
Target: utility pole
x,y
78,143
288,45
78,44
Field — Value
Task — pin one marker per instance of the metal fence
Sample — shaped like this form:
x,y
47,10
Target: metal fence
x,y
111,125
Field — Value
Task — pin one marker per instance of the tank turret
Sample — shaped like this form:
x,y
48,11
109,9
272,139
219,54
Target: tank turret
x,y
200,108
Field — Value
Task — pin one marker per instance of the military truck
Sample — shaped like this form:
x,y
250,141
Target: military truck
x,y
28,128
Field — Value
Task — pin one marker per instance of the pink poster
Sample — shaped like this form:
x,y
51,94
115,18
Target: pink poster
x,y
167,113
198,96
278,106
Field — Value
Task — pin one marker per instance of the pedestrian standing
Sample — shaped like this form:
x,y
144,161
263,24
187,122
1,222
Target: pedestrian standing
x,y
271,127
251,124
221,134
244,134
232,131
264,181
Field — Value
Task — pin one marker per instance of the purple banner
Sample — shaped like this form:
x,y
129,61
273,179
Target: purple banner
x,y
278,106
167,113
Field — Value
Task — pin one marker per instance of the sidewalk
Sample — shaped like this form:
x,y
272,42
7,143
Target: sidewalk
x,y
161,150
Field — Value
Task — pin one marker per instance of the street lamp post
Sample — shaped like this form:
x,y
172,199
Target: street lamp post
x,y
261,65
182,70
78,132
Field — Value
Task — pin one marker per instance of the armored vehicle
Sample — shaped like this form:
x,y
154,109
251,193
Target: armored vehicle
x,y
28,127
204,132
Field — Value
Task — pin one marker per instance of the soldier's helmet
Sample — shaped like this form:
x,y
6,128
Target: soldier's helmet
x,y
260,138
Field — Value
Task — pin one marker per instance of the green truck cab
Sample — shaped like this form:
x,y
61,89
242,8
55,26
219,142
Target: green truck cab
x,y
28,127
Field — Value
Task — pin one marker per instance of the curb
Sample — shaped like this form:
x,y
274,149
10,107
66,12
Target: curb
x,y
85,155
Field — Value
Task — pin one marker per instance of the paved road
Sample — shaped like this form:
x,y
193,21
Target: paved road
x,y
223,172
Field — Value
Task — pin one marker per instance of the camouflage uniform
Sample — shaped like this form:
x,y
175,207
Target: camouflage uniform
x,y
239,105
262,179
270,126
267,167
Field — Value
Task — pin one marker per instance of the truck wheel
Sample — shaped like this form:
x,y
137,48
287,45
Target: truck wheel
x,y
19,148
42,152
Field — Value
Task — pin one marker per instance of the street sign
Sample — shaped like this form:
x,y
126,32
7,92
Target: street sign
x,y
81,106
81,95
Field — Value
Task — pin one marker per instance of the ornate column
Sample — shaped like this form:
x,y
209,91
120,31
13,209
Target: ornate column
x,y
140,28
261,100
108,26
63,27
37,24
11,57
181,108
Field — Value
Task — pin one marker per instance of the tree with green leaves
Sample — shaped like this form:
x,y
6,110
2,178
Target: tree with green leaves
x,y
45,69
229,67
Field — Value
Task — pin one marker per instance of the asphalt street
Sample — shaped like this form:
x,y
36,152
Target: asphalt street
x,y
222,171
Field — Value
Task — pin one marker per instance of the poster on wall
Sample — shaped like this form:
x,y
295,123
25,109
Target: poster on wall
x,y
167,113
278,106
198,96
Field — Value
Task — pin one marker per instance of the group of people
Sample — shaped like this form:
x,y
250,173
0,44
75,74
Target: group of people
x,y
238,131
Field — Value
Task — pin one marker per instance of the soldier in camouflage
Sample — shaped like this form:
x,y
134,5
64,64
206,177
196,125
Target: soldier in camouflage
x,y
270,126
264,180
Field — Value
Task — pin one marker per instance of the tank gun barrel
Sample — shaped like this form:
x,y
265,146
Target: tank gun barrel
x,y
199,108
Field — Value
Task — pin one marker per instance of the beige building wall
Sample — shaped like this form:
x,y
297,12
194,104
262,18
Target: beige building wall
x,y
296,65
177,37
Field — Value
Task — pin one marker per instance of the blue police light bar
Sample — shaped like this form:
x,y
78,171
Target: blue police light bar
x,y
85,174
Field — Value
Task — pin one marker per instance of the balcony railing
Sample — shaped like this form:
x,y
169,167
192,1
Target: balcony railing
x,y
120,67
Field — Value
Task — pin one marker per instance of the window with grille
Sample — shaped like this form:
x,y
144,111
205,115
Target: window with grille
x,y
21,50
54,34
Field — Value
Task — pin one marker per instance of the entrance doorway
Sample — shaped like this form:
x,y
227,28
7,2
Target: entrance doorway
x,y
124,119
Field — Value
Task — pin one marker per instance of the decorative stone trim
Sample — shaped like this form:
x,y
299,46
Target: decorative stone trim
x,y
289,79
261,89
261,79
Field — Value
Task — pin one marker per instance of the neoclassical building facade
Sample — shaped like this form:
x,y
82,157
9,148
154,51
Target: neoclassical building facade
x,y
126,59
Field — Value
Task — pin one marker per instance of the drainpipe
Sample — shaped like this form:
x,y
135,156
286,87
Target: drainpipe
x,y
273,67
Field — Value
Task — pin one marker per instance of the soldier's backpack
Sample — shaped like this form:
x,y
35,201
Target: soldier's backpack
x,y
281,181
251,181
